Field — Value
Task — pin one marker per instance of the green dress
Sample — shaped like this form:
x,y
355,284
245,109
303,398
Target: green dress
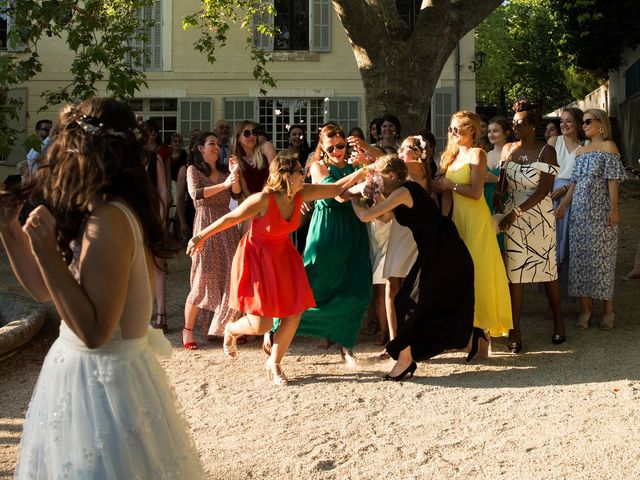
x,y
489,188
338,265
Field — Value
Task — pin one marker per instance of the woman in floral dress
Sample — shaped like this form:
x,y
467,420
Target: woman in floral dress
x,y
593,226
211,188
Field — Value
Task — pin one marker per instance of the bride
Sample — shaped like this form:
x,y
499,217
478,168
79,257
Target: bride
x,y
102,406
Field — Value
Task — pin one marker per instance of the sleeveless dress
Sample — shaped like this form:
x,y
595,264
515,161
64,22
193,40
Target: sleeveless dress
x,y
593,244
211,266
489,188
337,262
436,301
267,277
475,226
108,412
402,252
531,239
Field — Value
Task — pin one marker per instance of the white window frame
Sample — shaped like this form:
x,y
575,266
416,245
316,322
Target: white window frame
x,y
443,105
158,42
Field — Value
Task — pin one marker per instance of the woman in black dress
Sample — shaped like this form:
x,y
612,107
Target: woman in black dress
x,y
438,314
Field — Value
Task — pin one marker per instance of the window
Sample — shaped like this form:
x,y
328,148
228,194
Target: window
x,y
292,21
303,24
443,105
632,79
276,115
151,47
4,31
409,11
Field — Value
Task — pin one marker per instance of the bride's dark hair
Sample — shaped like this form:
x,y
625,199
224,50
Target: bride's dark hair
x,y
98,153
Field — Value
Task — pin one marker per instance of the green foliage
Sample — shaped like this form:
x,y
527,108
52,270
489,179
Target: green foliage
x,y
526,56
214,21
596,32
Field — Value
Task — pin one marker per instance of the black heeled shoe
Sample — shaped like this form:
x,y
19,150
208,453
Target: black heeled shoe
x,y
558,339
478,333
409,371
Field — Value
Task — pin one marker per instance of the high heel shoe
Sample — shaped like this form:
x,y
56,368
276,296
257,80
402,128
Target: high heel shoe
x,y
607,321
478,334
408,371
583,321
161,322
230,348
188,345
558,339
348,357
276,375
515,347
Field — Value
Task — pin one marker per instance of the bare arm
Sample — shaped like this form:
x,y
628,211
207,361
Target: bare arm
x,y
181,207
400,196
317,191
93,307
161,186
252,206
269,151
16,244
478,164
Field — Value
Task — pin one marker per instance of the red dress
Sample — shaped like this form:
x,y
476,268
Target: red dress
x,y
267,276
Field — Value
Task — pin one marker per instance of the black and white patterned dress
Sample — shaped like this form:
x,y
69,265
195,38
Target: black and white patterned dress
x,y
531,240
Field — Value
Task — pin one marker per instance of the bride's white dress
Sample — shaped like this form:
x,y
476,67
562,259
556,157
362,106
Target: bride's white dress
x,y
108,413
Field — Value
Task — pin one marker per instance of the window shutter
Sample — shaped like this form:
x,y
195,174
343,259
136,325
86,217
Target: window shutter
x,y
343,110
154,49
260,41
194,113
443,105
237,109
320,25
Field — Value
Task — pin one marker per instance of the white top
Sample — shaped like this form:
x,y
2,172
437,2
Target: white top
x,y
566,159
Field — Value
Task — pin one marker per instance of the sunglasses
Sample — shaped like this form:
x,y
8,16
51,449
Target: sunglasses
x,y
247,133
589,121
518,123
455,130
338,146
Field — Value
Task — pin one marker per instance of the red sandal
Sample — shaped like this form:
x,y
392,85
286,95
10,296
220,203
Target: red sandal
x,y
188,345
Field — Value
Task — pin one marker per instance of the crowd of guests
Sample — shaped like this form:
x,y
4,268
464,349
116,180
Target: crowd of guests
x,y
439,251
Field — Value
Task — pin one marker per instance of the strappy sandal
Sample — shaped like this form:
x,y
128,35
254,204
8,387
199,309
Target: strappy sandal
x,y
230,349
276,375
161,322
188,345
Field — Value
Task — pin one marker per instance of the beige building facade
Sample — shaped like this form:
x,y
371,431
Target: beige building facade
x,y
313,65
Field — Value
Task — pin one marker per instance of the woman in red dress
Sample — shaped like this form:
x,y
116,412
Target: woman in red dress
x,y
268,278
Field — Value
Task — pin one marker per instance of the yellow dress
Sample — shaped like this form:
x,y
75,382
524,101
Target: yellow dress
x,y
475,225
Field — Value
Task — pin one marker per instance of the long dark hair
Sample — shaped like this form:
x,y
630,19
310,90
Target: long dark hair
x,y
197,160
97,153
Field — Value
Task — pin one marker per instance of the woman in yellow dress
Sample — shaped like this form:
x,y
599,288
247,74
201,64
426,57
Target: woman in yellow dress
x,y
463,168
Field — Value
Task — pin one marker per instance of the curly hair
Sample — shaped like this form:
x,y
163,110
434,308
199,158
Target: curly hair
x,y
530,110
98,154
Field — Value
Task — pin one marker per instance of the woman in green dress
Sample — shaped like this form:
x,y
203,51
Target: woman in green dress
x,y
336,256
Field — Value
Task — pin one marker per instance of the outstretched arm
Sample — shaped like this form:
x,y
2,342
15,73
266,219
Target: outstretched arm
x,y
400,196
314,191
252,206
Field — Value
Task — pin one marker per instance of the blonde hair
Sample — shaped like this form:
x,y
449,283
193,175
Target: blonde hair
x,y
469,120
282,166
391,163
602,116
257,160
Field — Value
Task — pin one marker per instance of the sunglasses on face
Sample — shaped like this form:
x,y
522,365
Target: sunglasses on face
x,y
588,121
247,133
455,130
338,146
518,123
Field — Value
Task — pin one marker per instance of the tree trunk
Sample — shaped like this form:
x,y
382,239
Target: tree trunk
x,y
400,68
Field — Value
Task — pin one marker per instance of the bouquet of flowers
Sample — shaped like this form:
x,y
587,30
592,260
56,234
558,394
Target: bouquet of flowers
x,y
373,188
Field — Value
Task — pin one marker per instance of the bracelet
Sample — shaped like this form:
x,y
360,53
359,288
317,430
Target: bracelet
x,y
455,187
566,188
517,211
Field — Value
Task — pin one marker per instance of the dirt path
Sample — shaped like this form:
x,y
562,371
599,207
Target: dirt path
x,y
570,411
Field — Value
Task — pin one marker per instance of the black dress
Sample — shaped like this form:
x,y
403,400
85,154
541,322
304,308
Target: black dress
x,y
434,306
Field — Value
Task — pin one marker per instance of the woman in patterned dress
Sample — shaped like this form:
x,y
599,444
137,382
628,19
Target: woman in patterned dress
x,y
211,187
593,226
528,168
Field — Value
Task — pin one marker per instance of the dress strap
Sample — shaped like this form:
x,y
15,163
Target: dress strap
x,y
542,150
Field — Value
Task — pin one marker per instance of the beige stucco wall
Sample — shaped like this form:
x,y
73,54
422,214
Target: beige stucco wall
x,y
191,75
